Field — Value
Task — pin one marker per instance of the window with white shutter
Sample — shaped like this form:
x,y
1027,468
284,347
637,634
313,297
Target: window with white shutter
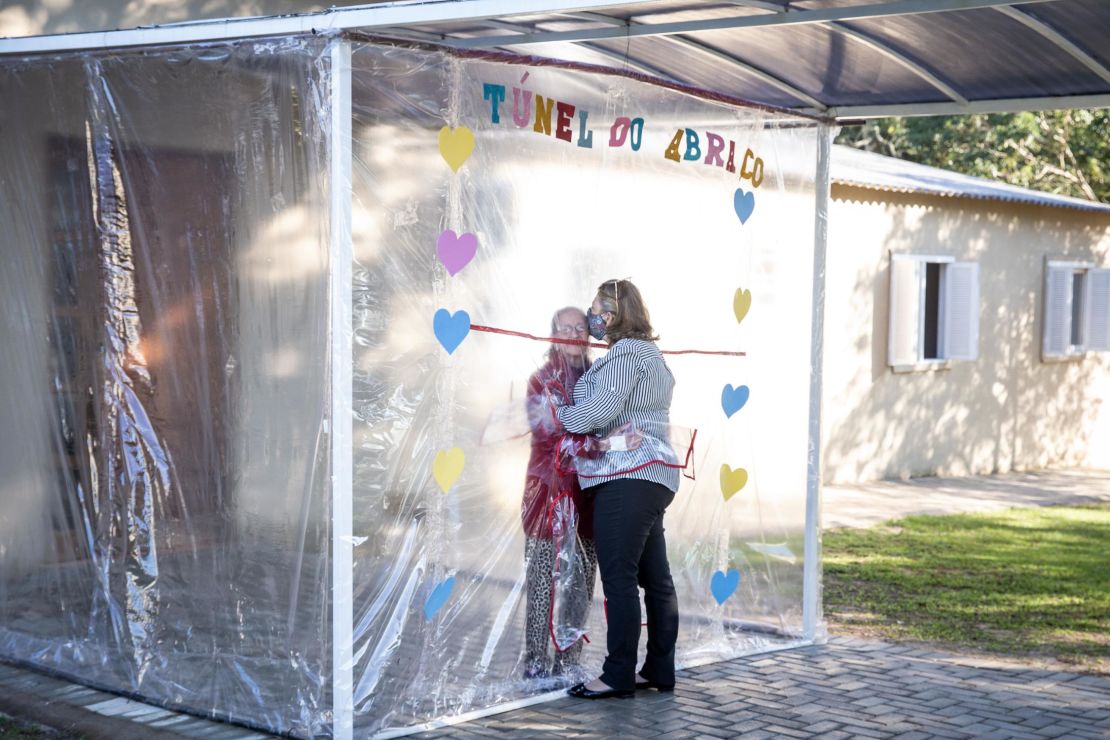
x,y
961,311
934,311
1098,310
1057,310
1076,316
905,310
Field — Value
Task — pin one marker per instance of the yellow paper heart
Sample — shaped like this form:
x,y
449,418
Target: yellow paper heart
x,y
447,467
741,303
456,146
732,481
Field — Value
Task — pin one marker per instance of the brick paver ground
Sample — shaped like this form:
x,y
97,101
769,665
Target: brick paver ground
x,y
847,688
73,711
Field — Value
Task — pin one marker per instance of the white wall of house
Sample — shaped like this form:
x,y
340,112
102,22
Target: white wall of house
x,y
1007,410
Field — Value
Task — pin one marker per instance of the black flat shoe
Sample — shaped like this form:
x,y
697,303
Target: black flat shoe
x,y
580,691
645,684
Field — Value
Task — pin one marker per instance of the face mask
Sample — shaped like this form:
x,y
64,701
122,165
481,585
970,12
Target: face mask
x,y
597,325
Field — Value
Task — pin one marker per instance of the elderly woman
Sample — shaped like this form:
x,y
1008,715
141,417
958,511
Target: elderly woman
x,y
547,485
630,385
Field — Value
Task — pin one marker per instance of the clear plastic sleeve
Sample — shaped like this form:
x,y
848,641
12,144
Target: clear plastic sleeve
x,y
628,449
572,578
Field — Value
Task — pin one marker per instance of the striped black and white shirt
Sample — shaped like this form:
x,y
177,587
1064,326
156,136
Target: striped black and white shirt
x,y
631,383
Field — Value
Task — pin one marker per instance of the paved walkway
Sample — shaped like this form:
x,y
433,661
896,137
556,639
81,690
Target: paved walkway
x,y
870,503
78,711
847,688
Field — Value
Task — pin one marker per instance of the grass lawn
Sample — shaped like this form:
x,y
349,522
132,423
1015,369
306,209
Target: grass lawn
x,y
1032,583
12,730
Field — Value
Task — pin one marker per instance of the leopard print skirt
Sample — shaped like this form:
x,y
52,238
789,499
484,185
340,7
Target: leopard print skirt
x,y
539,557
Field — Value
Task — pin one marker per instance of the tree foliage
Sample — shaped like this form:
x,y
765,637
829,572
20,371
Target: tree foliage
x,y
1065,152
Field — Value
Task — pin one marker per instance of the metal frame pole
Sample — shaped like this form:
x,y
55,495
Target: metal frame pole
x,y
342,399
812,625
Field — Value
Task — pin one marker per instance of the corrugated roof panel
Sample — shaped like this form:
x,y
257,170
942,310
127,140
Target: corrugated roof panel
x,y
674,12
1010,60
1014,60
869,170
983,54
1085,22
662,10
595,53
702,70
674,60
830,66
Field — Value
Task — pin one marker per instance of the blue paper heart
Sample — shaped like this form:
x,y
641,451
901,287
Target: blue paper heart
x,y
744,203
733,399
438,597
451,330
724,586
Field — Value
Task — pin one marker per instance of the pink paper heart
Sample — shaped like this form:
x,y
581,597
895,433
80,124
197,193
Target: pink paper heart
x,y
455,252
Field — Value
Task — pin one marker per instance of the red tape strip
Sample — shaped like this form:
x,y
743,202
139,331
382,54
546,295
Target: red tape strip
x,y
557,340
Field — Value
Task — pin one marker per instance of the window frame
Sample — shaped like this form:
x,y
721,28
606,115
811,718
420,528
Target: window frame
x,y
1071,352
921,363
923,300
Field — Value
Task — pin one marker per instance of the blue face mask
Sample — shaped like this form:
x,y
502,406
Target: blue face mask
x,y
597,324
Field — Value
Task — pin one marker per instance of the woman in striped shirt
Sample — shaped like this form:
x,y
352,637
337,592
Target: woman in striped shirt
x,y
630,488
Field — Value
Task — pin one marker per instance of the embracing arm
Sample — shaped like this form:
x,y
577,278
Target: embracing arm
x,y
613,380
545,394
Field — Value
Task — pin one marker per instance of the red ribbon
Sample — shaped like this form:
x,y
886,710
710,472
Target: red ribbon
x,y
580,343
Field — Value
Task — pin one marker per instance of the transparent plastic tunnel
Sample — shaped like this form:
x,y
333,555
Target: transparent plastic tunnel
x,y
273,314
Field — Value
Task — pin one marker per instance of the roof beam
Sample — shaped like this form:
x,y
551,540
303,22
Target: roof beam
x,y
1004,105
410,34
789,17
598,18
368,16
627,61
863,38
767,77
1057,38
761,4
891,53
633,64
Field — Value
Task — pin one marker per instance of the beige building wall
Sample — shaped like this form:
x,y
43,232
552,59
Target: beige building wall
x,y
1006,411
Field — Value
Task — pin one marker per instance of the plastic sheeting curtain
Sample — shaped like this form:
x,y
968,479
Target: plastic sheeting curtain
x,y
165,500
569,183
164,512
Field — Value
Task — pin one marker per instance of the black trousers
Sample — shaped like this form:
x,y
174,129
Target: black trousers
x,y
632,554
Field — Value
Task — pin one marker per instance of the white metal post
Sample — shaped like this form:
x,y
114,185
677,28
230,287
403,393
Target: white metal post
x,y
811,570
340,260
